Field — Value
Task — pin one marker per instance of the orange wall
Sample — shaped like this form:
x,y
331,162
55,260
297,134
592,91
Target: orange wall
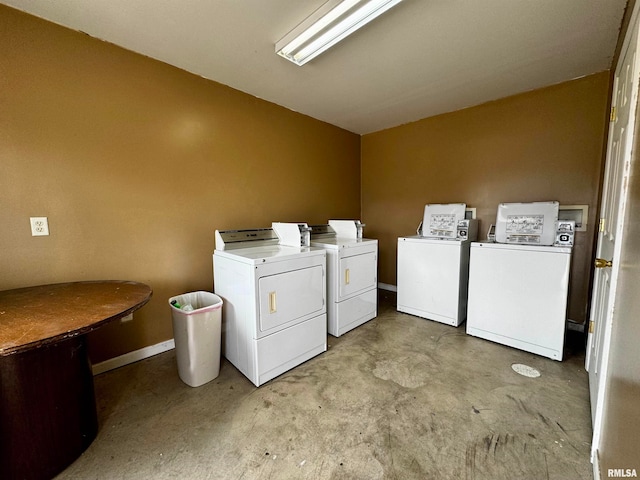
x,y
136,163
542,145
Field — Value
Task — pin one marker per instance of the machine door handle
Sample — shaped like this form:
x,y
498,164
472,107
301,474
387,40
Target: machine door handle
x,y
346,276
602,263
272,302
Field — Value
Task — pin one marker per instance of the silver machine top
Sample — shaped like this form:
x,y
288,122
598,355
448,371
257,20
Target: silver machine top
x,y
288,234
228,239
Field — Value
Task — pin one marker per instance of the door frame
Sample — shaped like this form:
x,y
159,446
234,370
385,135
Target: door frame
x,y
604,355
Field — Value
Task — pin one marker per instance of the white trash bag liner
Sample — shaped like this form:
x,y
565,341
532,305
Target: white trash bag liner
x,y
197,326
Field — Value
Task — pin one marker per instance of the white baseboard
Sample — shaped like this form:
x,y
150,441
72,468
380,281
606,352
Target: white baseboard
x,y
133,357
386,286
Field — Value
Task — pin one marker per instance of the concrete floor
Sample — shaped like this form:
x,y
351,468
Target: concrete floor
x,y
400,397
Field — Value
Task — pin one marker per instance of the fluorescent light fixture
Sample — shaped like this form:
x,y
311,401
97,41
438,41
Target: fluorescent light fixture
x,y
332,22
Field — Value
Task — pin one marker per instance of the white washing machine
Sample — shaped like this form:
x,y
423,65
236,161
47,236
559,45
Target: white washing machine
x,y
518,296
433,266
518,289
274,292
352,274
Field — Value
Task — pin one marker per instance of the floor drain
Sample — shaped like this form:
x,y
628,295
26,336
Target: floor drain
x,y
525,370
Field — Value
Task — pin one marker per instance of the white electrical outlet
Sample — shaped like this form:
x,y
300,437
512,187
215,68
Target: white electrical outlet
x,y
39,226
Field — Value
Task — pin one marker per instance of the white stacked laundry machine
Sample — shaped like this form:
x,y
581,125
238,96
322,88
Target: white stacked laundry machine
x,y
433,265
352,274
274,289
519,284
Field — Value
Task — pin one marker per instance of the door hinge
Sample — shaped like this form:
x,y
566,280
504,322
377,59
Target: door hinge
x,y
612,117
601,226
592,326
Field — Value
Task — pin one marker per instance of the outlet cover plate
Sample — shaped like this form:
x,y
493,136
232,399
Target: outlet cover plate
x,y
39,226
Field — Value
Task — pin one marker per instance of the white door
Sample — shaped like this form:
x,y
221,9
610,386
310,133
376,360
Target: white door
x,y
614,199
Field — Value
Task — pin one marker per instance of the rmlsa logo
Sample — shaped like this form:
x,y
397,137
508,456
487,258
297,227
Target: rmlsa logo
x,y
622,473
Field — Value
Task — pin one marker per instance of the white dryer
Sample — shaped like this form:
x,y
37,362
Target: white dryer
x,y
274,292
352,274
433,267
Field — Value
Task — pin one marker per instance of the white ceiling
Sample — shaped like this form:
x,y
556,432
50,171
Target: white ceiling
x,y
421,58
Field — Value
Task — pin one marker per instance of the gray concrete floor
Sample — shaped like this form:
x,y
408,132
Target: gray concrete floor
x,y
400,397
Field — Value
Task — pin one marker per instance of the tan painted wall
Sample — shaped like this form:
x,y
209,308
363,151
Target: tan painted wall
x,y
538,146
136,163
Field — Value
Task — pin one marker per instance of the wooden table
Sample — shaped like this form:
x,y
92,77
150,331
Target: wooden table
x,y
48,411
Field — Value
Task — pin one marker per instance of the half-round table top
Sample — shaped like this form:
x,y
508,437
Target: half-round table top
x,y
35,316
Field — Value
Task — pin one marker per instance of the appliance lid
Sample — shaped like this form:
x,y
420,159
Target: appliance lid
x,y
336,243
259,255
433,240
527,248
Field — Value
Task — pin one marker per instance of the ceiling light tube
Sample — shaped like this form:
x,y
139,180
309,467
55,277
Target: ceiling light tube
x,y
332,22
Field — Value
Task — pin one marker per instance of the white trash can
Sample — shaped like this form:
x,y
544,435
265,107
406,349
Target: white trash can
x,y
197,321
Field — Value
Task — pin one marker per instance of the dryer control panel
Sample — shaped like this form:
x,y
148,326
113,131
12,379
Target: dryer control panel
x,y
293,234
347,228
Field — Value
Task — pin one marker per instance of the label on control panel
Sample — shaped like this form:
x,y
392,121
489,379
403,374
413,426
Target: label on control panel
x,y
443,224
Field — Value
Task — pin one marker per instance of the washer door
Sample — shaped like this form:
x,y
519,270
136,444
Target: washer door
x,y
288,297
